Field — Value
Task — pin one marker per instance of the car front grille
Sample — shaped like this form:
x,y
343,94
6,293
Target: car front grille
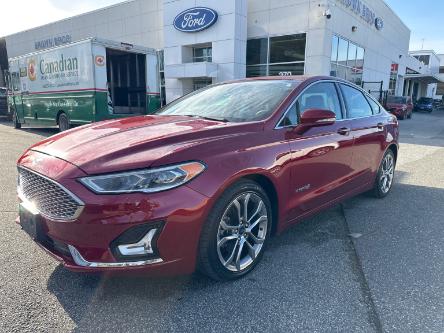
x,y
49,198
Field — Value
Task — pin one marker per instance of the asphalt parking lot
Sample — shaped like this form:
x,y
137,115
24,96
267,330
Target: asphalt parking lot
x,y
367,265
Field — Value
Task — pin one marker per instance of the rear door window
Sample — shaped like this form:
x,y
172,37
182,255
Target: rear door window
x,y
376,108
355,102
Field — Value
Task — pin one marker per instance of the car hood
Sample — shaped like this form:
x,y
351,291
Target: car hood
x,y
131,143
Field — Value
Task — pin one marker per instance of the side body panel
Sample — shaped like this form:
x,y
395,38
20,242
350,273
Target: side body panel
x,y
321,167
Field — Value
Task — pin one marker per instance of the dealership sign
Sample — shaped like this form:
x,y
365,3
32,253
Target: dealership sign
x,y
360,8
195,19
53,41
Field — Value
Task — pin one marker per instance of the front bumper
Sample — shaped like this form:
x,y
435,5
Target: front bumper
x,y
88,242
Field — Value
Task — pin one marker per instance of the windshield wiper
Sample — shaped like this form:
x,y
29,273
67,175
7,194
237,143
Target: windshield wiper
x,y
206,118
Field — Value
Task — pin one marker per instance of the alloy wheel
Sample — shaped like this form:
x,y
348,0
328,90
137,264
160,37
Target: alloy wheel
x,y
242,231
387,173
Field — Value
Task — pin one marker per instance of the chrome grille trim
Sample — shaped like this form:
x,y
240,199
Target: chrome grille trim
x,y
79,260
50,198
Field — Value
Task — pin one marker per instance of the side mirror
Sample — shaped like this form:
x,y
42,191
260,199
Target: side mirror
x,y
317,117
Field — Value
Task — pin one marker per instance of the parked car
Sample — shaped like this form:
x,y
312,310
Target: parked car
x,y
206,181
4,102
401,107
424,104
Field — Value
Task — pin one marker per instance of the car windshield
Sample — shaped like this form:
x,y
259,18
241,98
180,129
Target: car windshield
x,y
396,99
233,102
425,100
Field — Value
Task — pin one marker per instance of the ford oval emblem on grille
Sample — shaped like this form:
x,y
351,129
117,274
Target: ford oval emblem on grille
x,y
195,19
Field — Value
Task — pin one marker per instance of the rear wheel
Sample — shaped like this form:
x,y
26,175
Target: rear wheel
x,y
235,234
15,120
386,174
63,121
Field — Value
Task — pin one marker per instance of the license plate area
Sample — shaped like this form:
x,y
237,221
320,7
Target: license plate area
x,y
30,221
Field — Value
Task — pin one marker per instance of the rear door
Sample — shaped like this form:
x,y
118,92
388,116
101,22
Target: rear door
x,y
367,122
321,156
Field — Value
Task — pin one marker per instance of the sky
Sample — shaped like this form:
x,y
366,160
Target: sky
x,y
424,18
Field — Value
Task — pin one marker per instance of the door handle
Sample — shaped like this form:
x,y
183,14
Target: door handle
x,y
344,131
380,126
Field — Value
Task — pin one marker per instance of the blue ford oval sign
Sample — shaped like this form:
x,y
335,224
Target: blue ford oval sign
x,y
379,23
195,19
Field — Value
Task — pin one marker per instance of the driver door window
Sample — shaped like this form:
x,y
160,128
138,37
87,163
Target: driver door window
x,y
319,96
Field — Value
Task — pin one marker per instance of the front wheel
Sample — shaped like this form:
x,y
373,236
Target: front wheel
x,y
386,175
235,234
63,122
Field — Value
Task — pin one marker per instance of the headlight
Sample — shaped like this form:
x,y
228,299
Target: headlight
x,y
146,181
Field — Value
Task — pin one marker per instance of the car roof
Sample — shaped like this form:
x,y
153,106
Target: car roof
x,y
296,78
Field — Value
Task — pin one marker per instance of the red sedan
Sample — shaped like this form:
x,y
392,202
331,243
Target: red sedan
x,y
401,107
208,180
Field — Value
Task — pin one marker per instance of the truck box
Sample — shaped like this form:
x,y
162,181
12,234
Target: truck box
x,y
82,82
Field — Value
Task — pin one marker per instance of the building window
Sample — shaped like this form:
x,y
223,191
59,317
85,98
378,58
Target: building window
x,y
200,83
276,56
161,62
203,54
411,71
347,60
425,59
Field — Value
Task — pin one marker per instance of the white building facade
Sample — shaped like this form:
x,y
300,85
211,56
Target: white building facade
x,y
210,41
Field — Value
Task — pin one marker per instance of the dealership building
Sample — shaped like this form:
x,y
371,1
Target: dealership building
x,y
207,41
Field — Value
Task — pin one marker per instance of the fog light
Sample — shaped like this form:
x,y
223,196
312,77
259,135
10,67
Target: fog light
x,y
142,247
137,243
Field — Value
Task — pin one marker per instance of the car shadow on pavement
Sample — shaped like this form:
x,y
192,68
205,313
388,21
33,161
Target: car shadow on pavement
x,y
311,277
309,264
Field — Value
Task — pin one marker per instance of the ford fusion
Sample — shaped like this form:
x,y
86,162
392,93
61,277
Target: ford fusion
x,y
208,180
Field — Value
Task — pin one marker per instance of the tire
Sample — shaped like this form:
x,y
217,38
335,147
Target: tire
x,y
380,188
223,262
15,121
63,122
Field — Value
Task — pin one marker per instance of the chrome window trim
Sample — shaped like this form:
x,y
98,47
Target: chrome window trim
x,y
53,218
79,260
338,92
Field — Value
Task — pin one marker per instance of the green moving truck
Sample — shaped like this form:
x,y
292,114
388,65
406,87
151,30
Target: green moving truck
x,y
83,82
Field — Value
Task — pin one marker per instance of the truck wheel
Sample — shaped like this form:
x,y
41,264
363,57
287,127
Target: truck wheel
x,y
15,120
64,124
